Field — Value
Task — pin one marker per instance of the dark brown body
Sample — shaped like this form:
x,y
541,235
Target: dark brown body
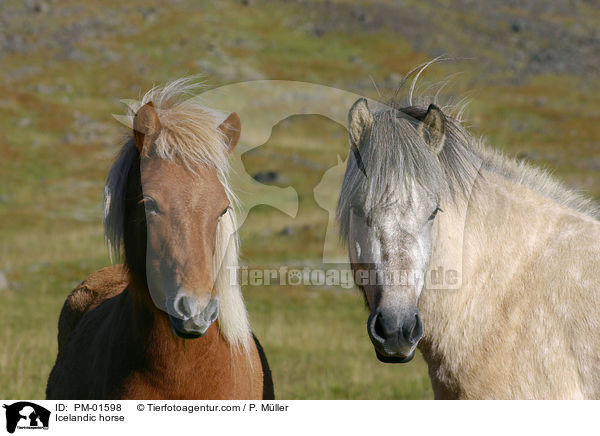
x,y
112,346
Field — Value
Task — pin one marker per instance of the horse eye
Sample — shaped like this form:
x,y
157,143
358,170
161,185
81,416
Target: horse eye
x,y
150,205
224,212
358,212
434,213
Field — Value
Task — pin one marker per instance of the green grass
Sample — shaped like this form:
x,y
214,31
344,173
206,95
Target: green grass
x,y
317,345
56,147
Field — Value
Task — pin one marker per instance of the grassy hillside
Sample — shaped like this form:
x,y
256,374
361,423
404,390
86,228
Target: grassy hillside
x,y
528,71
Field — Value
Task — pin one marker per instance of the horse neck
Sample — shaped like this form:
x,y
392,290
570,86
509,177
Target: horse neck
x,y
491,240
172,367
500,222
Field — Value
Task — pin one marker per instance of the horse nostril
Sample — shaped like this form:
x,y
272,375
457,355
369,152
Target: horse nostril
x,y
413,330
212,310
375,327
379,329
183,306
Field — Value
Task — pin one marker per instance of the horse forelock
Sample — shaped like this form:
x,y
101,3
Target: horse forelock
x,y
189,130
395,156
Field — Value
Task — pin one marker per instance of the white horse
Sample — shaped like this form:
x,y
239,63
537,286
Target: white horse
x,y
487,265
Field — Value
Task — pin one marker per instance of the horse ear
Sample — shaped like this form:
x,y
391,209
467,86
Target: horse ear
x,y
146,126
360,122
435,122
232,129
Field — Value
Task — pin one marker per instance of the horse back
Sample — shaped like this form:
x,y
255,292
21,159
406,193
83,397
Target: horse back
x,y
96,288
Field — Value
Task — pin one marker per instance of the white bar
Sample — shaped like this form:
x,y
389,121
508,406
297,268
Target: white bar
x,y
282,418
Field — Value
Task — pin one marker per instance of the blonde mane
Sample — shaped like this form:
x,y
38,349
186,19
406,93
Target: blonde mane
x,y
190,135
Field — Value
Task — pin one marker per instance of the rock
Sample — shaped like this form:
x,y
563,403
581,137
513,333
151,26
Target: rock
x,y
315,30
360,16
150,14
393,80
3,281
353,59
528,155
268,177
38,6
45,89
318,31
287,231
75,54
14,44
595,164
227,69
517,125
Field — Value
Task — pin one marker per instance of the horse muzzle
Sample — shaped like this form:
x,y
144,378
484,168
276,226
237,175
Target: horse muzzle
x,y
394,337
188,322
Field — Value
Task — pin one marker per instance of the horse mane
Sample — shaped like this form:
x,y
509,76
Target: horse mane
x,y
190,135
396,155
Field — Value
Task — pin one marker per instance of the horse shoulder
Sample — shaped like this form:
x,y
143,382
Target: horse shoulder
x,y
96,288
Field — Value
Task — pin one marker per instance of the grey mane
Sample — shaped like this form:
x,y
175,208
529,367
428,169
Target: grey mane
x,y
396,155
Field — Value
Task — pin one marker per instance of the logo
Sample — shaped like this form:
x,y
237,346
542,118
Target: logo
x,y
26,415
268,103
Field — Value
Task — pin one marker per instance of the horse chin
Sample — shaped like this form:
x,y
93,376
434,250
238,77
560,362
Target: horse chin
x,y
185,335
177,326
394,359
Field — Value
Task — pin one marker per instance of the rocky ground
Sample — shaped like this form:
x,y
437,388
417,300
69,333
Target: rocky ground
x,y
505,40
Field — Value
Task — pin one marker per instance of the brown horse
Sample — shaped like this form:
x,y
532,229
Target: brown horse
x,y
146,329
